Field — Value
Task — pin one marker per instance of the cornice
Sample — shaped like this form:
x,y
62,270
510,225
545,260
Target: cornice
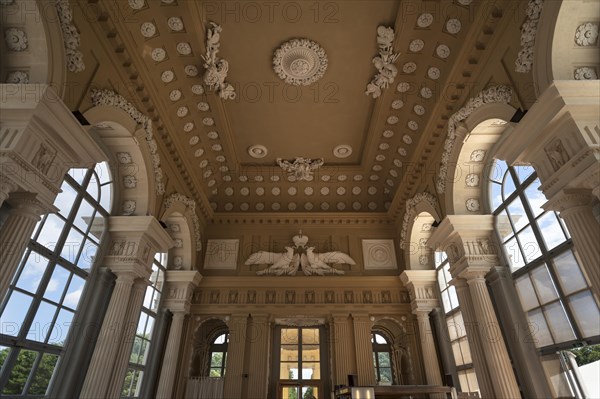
x,y
316,218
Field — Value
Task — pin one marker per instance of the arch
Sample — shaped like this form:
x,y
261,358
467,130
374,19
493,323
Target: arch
x,y
395,331
206,331
421,212
120,135
475,137
182,221
560,56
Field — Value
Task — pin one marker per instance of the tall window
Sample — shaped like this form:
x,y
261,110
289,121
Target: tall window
x,y
456,326
218,356
382,358
45,293
300,363
145,328
552,288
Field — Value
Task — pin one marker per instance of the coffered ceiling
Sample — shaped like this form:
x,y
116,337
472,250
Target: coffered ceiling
x,y
380,138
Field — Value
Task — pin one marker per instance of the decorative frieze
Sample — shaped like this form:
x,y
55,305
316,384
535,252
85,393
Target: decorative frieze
x,y
524,60
409,212
384,62
586,34
70,37
190,205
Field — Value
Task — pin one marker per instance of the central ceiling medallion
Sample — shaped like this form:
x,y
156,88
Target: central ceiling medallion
x,y
301,168
300,62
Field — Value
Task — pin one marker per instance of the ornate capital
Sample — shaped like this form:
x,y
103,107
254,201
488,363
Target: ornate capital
x,y
422,289
474,274
569,200
29,205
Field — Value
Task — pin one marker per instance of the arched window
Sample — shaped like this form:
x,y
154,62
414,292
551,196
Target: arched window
x,y
456,326
382,358
145,329
218,356
552,288
43,298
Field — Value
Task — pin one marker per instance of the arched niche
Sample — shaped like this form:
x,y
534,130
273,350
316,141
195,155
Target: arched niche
x,y
557,53
206,331
472,157
402,363
44,58
418,255
178,220
130,163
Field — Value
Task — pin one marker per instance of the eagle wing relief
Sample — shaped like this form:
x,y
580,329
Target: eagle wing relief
x,y
318,263
281,263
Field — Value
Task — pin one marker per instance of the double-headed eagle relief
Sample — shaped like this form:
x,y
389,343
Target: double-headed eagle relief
x,y
299,256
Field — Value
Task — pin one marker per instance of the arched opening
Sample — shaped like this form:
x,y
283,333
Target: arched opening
x,y
420,256
391,353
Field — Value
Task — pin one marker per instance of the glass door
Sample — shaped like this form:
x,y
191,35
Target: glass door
x,y
300,363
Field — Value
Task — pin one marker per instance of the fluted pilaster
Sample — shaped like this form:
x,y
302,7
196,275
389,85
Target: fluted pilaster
x,y
15,235
232,388
496,356
364,350
430,360
259,349
169,365
342,337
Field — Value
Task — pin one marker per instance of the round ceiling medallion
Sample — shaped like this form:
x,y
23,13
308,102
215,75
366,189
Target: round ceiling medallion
x,y
342,151
257,151
300,62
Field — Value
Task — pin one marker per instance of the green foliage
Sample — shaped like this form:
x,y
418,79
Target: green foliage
x,y
309,393
22,368
587,354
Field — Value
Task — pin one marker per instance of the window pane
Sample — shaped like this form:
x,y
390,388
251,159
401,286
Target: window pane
x,y
384,359
544,284
586,313
56,285
64,200
495,195
530,245
311,371
78,174
106,196
385,374
526,293
216,372
289,352
14,313
84,216
88,255
288,371
498,171
310,335
42,322
51,231
310,353
59,333
3,354
72,245
74,292
508,186
220,339
379,339
513,252
570,276
551,230
20,372
503,225
517,214
289,336
32,273
135,350
458,357
290,392
559,324
539,328
535,198
523,172
446,301
466,350
43,374
216,359
453,296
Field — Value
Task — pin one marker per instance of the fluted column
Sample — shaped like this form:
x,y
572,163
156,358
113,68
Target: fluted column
x,y
99,372
232,388
576,210
342,337
125,344
6,187
430,359
169,365
16,233
179,288
364,349
259,349
496,355
472,330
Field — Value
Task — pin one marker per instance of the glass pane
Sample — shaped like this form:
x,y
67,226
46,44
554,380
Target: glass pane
x,y
220,339
288,371
464,381
508,186
440,257
385,374
78,174
64,201
143,354
559,324
586,313
289,352
32,273
215,372
535,198
495,195
453,297
102,173
14,313
310,353
543,284
466,350
3,355
513,253
517,214
526,293
379,339
458,357
472,379
531,248
570,276
384,359
149,327
503,225
311,371
135,350
85,215
289,335
539,328
43,374
42,323
523,172
309,393
88,255
216,359
551,230
133,383
56,285
446,301
72,246
74,292
59,333
498,171
141,324
51,230
290,392
20,372
106,196
310,335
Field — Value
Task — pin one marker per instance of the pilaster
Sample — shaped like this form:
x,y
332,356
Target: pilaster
x,y
232,387
364,349
259,354
341,338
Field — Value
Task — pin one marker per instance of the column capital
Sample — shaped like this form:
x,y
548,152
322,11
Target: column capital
x,y
180,285
569,199
30,205
421,285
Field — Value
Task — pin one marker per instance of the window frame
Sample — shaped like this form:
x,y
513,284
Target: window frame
x,y
382,348
218,348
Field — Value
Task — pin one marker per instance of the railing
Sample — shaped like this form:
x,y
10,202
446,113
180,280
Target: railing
x,y
204,388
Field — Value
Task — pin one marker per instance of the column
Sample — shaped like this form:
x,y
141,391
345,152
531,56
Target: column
x,y
99,371
496,356
179,287
125,343
422,285
342,337
232,387
443,340
259,341
364,349
576,210
16,233
6,187
472,329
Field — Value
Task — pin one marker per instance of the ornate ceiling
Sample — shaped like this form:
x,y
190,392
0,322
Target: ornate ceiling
x,y
229,136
